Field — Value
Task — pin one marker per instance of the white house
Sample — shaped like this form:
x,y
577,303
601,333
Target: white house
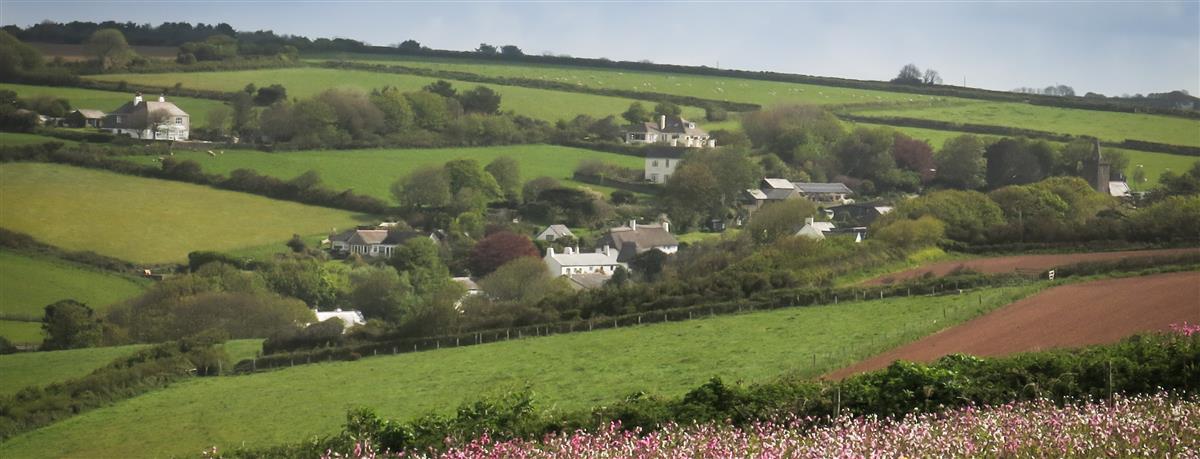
x,y
661,163
157,120
555,232
671,130
349,318
634,239
602,261
372,242
814,229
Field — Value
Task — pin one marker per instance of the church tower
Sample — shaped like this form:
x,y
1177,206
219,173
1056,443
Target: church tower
x,y
1096,169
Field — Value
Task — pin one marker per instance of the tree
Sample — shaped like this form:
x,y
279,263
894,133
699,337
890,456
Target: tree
x,y
636,113
909,74
243,112
353,111
866,153
968,215
218,120
667,109
715,113
427,187
497,249
486,49
960,163
523,280
1174,218
913,155
1018,161
429,110
931,77
482,99
270,95
780,219
507,173
466,173
69,324
380,293
109,48
709,182
409,45
314,121
17,57
922,232
533,188
511,51
419,260
397,112
297,244
796,133
442,88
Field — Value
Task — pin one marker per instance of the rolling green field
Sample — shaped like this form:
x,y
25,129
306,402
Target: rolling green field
x,y
765,93
566,372
20,332
373,171
111,100
147,220
1111,126
20,138
305,82
30,283
21,370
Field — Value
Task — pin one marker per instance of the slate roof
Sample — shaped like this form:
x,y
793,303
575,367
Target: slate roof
x,y
558,231
90,114
150,107
587,281
375,236
778,183
632,242
811,187
756,194
674,125
585,258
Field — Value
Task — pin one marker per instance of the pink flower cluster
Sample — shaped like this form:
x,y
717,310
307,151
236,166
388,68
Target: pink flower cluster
x,y
1186,329
1145,426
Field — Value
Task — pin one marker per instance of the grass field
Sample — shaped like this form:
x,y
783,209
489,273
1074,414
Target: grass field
x,y
373,171
305,82
20,332
20,138
111,100
30,283
147,220
1111,126
566,372
765,93
21,370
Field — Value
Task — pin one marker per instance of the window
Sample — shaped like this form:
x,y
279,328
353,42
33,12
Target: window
x,y
654,163
179,121
668,163
117,119
654,177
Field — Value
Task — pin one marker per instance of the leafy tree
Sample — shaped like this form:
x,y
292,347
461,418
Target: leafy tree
x,y
442,88
69,324
511,51
507,173
353,111
913,155
797,133
243,112
909,74
482,99
649,265
486,49
523,280
636,113
776,220
429,110
866,153
1175,218
1018,161
960,163
709,182
1171,183
218,120
380,293
109,48
931,77
427,187
17,57
668,109
270,95
499,248
297,244
715,113
466,173
419,259
968,215
535,187
397,111
313,120
409,45
922,232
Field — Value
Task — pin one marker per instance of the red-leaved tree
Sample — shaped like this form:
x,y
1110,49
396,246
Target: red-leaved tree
x,y
914,155
497,249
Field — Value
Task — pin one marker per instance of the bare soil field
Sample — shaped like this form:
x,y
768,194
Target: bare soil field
x,y
72,53
1067,316
1014,263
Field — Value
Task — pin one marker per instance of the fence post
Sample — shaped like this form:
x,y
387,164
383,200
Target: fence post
x,y
253,364
455,341
639,319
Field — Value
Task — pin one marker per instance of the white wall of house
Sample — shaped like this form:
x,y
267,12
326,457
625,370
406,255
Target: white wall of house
x,y
658,170
372,250
565,264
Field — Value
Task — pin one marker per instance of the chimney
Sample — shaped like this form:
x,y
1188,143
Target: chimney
x,y
633,225
808,221
666,226
137,98
662,122
712,143
568,251
607,253
162,97
550,251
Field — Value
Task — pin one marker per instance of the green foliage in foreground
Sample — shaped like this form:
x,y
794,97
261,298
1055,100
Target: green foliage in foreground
x,y
372,171
568,372
31,283
147,220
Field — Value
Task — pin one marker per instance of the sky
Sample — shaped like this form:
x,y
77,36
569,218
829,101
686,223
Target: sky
x,y
1113,48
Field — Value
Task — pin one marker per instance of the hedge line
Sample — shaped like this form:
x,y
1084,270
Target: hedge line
x,y
1138,365
936,90
24,243
636,187
543,84
126,377
1131,144
243,180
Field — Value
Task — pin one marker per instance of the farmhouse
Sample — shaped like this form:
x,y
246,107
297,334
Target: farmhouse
x,y
814,229
777,189
661,163
635,239
555,232
825,193
671,130
861,214
469,286
349,318
157,120
84,118
571,262
372,242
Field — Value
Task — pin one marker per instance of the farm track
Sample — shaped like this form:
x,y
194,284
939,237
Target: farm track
x,y
1068,316
999,265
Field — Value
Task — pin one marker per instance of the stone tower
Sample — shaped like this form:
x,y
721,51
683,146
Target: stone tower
x,y
1096,169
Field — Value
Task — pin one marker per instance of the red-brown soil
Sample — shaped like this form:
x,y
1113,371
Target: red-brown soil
x,y
1067,316
1022,262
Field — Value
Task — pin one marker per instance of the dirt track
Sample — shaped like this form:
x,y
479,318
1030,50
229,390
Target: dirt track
x,y
1068,316
1010,264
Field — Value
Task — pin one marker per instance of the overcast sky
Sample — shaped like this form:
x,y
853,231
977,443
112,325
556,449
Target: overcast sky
x,y
1107,47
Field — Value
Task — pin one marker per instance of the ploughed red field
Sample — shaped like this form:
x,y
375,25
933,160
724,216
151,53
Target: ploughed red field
x,y
999,265
1068,316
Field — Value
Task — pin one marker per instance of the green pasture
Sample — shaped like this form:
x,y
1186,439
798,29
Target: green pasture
x,y
765,93
372,171
30,283
111,100
21,332
147,220
305,82
566,372
1110,126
